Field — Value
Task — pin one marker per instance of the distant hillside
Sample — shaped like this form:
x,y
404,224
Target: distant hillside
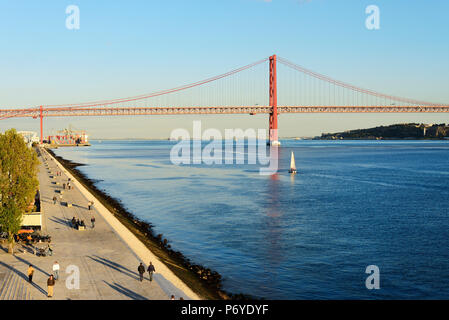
x,y
396,131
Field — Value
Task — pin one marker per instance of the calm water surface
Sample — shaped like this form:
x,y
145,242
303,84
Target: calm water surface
x,y
353,204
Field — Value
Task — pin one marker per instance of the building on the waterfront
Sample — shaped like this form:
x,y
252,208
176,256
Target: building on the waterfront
x,y
29,137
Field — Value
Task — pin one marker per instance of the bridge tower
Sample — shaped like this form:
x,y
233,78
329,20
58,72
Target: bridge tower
x,y
273,120
41,116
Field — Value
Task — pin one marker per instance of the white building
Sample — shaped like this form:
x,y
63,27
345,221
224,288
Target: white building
x,y
29,137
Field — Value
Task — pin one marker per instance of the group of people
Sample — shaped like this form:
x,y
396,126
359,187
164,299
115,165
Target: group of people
x,y
48,251
68,185
150,269
50,281
76,223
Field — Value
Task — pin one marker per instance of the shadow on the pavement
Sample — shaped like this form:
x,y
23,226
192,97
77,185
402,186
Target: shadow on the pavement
x,y
34,266
61,221
125,291
23,276
115,266
46,199
78,206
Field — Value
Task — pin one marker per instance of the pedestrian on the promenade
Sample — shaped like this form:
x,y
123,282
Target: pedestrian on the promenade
x,y
151,269
54,199
50,284
49,250
63,186
56,270
89,205
30,273
92,220
141,270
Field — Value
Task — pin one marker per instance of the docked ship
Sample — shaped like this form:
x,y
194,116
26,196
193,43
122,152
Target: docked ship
x,y
69,138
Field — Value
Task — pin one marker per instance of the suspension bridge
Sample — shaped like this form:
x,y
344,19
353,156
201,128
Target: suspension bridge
x,y
244,91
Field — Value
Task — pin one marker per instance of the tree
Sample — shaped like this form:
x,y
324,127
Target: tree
x,y
18,182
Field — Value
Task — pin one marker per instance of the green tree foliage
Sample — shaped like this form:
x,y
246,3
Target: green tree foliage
x,y
18,182
395,131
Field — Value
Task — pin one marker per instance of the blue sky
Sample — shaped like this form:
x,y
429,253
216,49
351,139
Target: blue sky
x,y
126,48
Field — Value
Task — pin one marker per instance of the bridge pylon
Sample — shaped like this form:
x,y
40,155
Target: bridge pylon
x,y
41,116
273,119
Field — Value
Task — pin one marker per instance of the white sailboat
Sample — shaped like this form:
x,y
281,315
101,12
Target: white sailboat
x,y
292,165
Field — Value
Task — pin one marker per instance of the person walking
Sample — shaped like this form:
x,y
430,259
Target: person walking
x,y
56,270
141,270
151,270
92,220
54,199
89,205
49,250
50,285
30,273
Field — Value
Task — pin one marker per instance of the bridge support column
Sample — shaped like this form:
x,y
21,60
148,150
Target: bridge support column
x,y
273,120
41,116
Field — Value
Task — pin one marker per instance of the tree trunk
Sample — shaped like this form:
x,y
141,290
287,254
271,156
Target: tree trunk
x,y
11,243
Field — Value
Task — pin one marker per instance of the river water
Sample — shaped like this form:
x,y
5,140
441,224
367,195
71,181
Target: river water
x,y
311,236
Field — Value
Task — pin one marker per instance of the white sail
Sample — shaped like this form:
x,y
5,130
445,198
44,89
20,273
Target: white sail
x,y
292,163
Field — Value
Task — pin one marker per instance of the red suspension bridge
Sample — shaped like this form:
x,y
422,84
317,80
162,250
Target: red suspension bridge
x,y
243,91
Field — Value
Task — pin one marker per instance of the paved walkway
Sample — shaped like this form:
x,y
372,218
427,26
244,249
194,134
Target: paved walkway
x,y
107,263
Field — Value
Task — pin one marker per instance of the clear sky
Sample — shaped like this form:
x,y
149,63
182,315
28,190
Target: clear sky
x,y
126,48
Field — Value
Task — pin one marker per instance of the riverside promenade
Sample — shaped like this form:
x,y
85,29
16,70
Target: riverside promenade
x,y
107,255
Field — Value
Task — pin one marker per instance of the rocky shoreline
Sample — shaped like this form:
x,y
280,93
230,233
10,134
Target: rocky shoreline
x,y
205,282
